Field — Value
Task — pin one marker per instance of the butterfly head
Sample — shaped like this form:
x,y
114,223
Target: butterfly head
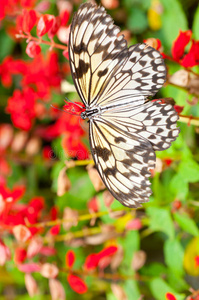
x,y
90,113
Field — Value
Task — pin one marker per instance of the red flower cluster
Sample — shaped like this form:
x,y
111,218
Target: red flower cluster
x,y
45,24
39,77
92,261
65,125
12,213
9,7
76,283
190,59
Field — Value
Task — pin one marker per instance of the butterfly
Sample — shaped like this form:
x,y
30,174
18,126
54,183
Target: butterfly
x,y
114,83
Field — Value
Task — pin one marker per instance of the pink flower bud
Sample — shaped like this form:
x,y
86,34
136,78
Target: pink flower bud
x,y
33,49
31,285
21,233
49,270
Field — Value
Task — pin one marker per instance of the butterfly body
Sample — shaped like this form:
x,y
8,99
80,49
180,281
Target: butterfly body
x,y
114,83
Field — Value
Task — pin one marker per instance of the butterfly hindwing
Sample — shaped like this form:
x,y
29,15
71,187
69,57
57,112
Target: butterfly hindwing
x,y
123,161
153,121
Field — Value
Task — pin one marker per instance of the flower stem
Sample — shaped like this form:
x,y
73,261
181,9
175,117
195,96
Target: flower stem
x,y
40,41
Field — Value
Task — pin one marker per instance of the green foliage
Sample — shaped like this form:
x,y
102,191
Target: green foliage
x,y
167,231
160,220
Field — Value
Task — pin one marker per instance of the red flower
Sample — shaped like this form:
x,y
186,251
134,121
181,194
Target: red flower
x,y
77,284
93,260
191,59
20,255
178,108
44,24
70,258
197,261
74,147
29,20
43,74
64,16
12,214
180,44
170,296
21,106
9,7
33,49
53,30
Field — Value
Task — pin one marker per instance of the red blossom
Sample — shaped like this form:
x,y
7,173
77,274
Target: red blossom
x,y
53,30
20,255
21,107
170,296
9,67
47,153
197,261
29,20
191,59
13,214
43,73
44,24
70,258
9,7
93,205
178,108
55,229
180,44
33,49
74,147
65,54
168,161
93,260
64,16
77,284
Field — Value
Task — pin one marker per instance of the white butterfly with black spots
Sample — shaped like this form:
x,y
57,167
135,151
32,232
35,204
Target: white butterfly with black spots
x,y
114,83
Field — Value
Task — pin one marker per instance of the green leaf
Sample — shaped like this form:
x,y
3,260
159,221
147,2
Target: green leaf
x,y
159,288
177,282
189,169
160,220
179,186
131,289
187,224
130,244
154,270
196,24
7,45
170,28
137,20
174,255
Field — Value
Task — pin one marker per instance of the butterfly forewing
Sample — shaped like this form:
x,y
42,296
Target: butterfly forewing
x,y
115,81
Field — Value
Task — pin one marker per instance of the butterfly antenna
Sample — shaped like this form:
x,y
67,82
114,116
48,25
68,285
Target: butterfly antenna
x,y
65,111
73,102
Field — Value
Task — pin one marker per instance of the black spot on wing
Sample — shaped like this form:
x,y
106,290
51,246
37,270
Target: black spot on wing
x,y
102,73
119,139
82,69
104,153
